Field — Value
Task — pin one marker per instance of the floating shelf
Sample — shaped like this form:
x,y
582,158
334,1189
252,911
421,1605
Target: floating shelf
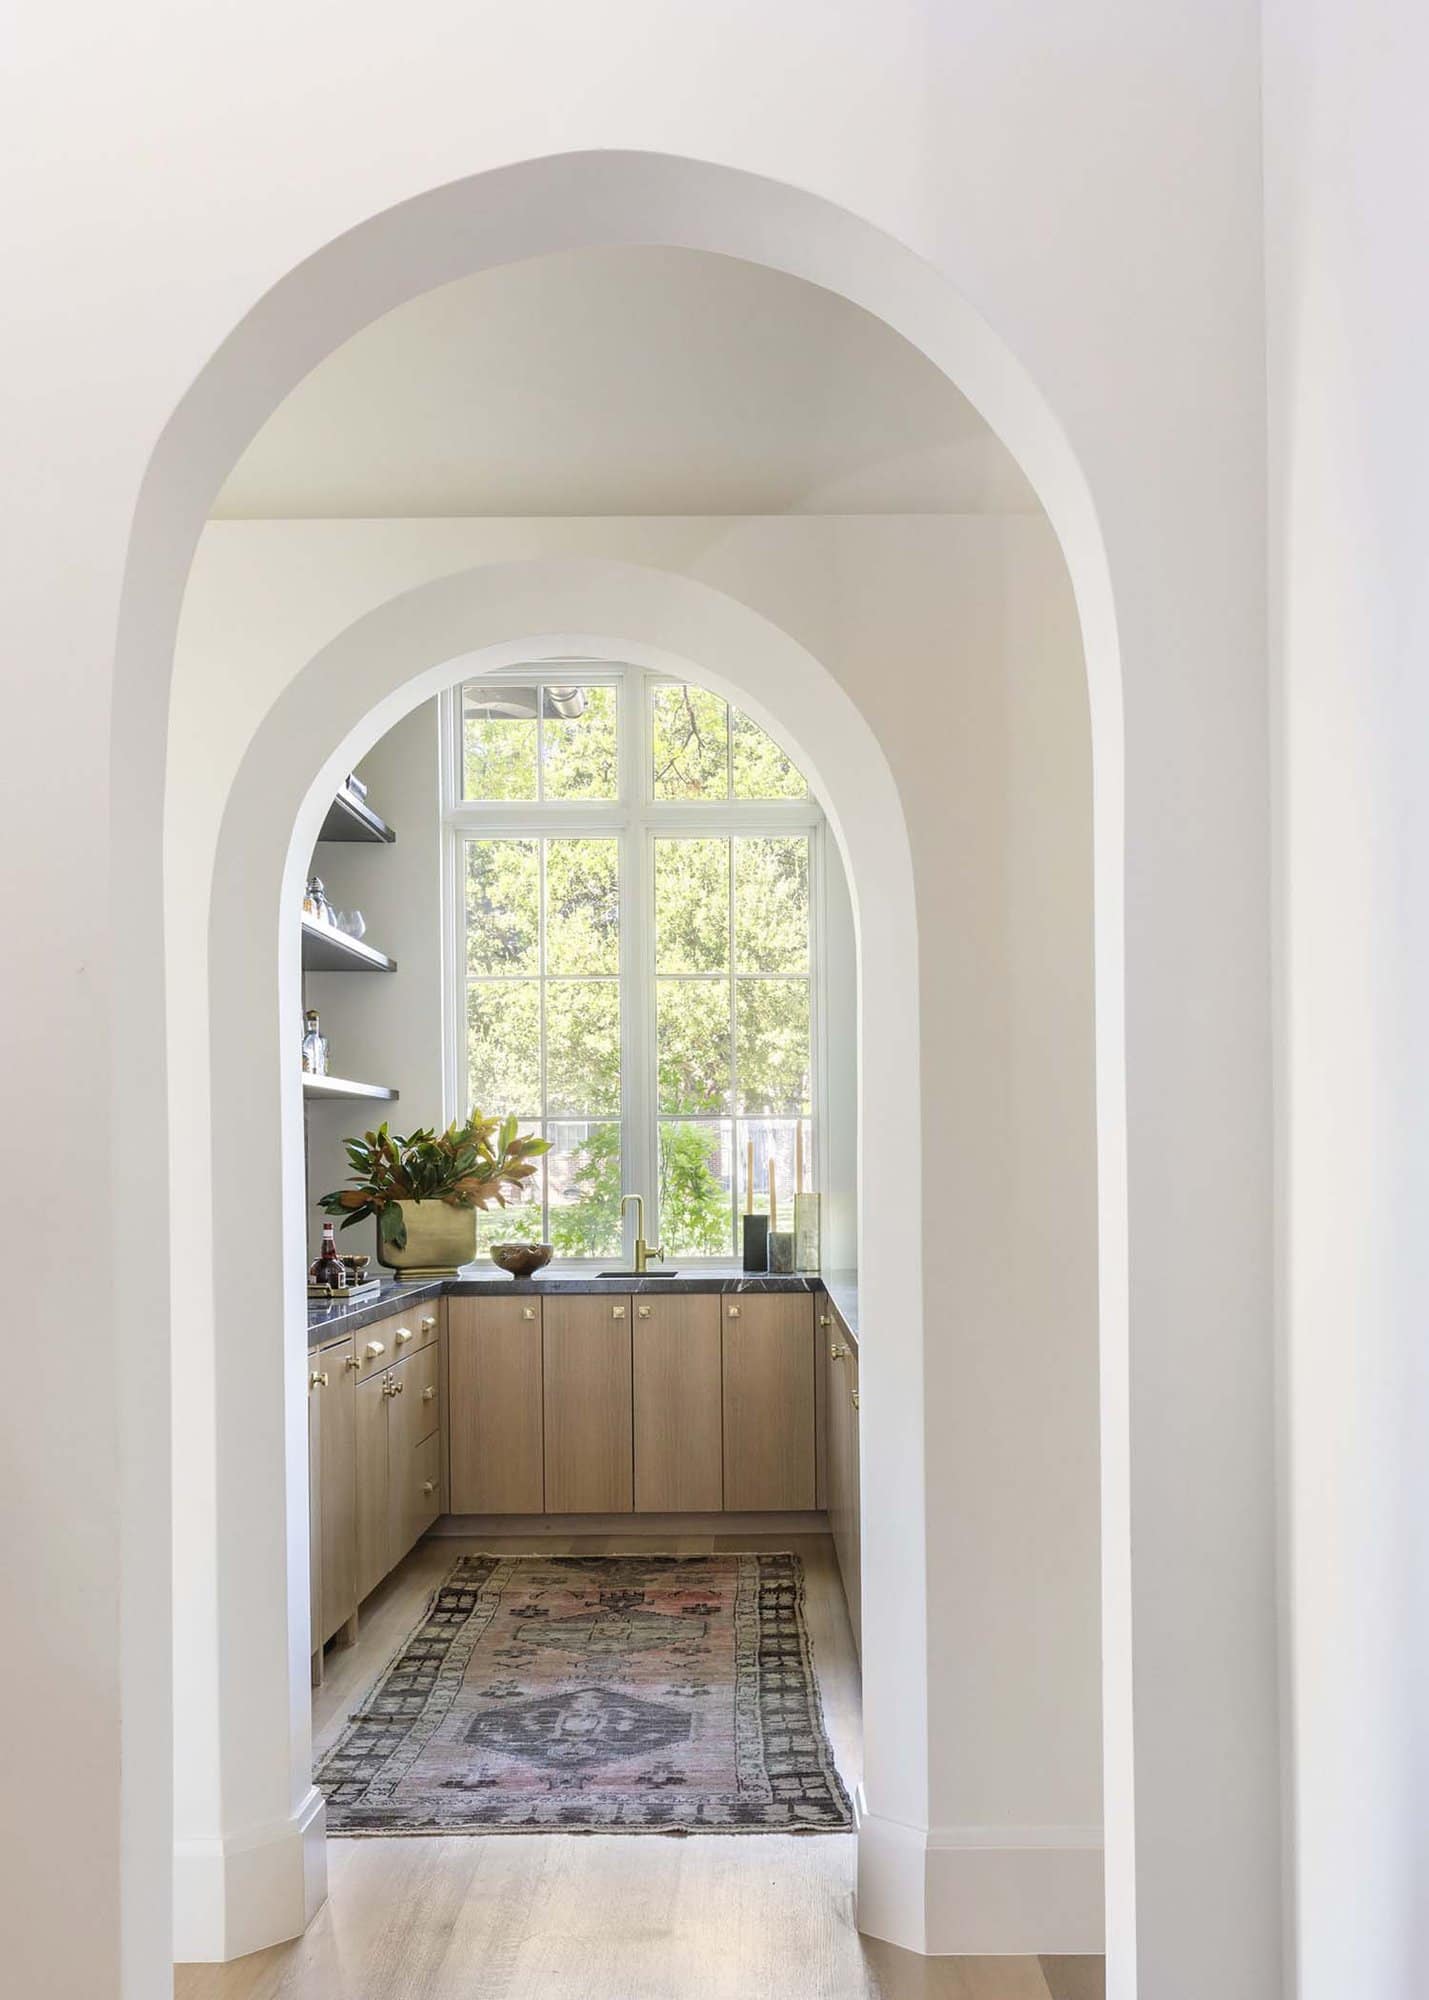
x,y
351,818
326,949
334,1087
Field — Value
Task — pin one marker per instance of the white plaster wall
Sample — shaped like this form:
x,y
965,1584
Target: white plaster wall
x,y
1086,180
979,614
1347,218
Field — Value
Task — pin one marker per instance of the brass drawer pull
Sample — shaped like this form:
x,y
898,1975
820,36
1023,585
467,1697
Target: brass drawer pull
x,y
404,1334
374,1348
837,1353
427,1325
617,1312
528,1312
643,1311
826,1319
429,1486
316,1380
428,1394
854,1399
352,1361
733,1312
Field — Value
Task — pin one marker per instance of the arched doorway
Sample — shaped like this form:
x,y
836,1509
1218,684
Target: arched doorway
x,y
737,215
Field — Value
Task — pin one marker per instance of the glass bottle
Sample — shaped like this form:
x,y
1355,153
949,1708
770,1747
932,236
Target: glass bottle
x,y
329,1269
314,1045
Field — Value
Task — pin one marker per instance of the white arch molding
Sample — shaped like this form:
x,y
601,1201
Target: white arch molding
x,y
351,693
1172,1850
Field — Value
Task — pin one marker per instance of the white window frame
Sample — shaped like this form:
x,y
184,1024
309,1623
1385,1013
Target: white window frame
x,y
636,818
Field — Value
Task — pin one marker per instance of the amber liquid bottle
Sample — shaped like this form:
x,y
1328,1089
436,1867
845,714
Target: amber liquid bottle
x,y
329,1269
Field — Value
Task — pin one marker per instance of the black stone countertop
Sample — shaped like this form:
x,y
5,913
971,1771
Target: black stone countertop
x,y
332,1322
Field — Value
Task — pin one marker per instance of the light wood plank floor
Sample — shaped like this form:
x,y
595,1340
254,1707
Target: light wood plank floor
x,y
595,1917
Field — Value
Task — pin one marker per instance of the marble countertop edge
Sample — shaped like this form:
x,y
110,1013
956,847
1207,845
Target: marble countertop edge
x,y
334,1321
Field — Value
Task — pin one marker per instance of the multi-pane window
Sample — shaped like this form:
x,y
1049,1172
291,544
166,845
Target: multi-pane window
x,y
542,926
635,936
732,1016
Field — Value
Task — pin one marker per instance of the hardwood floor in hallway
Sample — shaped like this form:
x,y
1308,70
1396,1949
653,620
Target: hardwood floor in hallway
x,y
597,1917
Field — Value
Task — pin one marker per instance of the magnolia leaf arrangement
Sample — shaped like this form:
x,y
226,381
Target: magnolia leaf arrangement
x,y
467,1166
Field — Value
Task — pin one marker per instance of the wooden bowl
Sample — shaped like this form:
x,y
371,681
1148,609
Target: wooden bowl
x,y
522,1260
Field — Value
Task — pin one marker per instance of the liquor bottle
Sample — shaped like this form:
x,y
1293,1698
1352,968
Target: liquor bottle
x,y
314,1045
329,1269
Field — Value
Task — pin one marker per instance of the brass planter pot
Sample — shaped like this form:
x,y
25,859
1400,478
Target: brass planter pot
x,y
440,1239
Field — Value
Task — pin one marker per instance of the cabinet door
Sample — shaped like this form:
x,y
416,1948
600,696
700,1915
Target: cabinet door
x,y
370,1401
588,1406
316,1635
769,1401
339,1490
837,1429
494,1431
853,1568
678,1421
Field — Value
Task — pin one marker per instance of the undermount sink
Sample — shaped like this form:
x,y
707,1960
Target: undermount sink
x,y
637,1274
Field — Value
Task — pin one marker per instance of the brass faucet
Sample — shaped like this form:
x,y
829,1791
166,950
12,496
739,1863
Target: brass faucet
x,y
643,1251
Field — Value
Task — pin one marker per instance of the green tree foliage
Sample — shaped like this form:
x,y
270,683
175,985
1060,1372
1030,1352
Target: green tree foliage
x,y
732,961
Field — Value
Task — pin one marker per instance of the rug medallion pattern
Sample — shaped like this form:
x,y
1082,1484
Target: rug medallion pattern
x,y
596,1694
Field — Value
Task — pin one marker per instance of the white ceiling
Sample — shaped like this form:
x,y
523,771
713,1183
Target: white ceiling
x,y
624,381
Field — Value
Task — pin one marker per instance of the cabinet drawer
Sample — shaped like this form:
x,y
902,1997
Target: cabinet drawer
x,y
373,1348
426,1484
414,1329
421,1412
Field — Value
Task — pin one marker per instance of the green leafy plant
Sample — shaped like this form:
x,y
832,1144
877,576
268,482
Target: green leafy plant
x,y
467,1166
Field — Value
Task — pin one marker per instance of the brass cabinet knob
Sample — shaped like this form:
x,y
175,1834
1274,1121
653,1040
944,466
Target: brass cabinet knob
x,y
398,1385
429,1486
429,1394
404,1334
837,1353
528,1312
316,1380
643,1311
733,1312
427,1325
854,1398
617,1312
374,1348
352,1361
826,1319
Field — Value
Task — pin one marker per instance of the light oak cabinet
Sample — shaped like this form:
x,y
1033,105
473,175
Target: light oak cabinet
x,y
370,1400
767,1364
677,1395
336,1519
315,1510
395,1445
841,1418
587,1405
657,1403
495,1429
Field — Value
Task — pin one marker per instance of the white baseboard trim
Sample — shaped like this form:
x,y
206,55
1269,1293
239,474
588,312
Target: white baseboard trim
x,y
980,1891
539,1525
237,1892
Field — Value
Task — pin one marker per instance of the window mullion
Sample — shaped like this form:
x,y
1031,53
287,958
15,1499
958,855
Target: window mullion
x,y
733,1051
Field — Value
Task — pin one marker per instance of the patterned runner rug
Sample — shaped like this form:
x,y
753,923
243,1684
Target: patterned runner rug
x,y
596,1694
